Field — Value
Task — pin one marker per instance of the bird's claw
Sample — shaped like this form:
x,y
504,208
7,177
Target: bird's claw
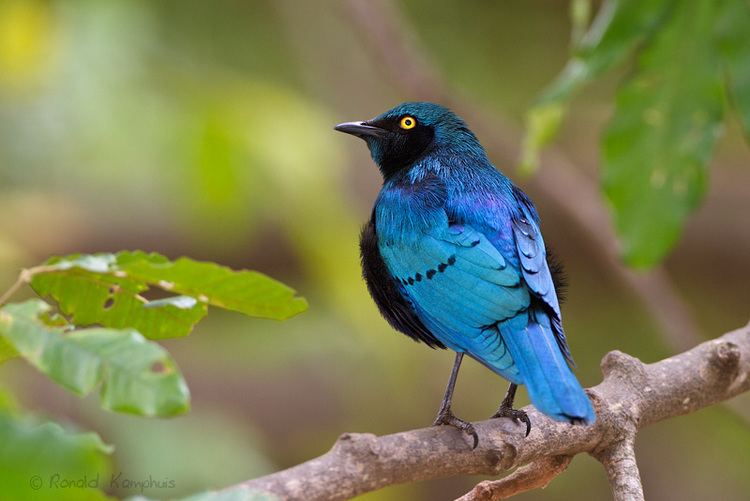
x,y
515,415
446,417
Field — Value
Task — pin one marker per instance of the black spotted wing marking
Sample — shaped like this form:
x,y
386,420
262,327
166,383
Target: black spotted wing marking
x,y
384,289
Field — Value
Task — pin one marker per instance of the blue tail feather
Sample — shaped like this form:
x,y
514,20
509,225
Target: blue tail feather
x,y
552,386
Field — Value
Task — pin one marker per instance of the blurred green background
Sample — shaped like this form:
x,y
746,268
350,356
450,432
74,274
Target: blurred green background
x,y
205,129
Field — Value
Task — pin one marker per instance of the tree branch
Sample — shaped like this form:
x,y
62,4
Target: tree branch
x,y
633,395
619,463
535,475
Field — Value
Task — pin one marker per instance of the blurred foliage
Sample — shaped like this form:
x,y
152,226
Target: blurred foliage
x,y
230,455
37,457
25,30
669,112
135,375
204,129
657,147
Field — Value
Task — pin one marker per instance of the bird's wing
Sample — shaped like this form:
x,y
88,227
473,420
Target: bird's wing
x,y
461,287
532,256
387,293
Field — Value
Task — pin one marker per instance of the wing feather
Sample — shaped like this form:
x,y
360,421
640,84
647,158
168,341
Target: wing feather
x,y
461,287
532,254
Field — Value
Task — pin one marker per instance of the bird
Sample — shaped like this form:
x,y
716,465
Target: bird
x,y
453,256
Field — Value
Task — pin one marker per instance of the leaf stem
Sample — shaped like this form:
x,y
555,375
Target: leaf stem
x,y
24,278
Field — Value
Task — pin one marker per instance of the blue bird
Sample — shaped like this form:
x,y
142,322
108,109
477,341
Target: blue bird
x,y
453,256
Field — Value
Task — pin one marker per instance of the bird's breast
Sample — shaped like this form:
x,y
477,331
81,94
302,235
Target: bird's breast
x,y
406,212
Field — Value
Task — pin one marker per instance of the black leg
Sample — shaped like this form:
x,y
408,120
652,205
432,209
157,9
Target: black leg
x,y
448,397
445,415
506,409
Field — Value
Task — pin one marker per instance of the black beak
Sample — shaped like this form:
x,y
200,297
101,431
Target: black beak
x,y
361,129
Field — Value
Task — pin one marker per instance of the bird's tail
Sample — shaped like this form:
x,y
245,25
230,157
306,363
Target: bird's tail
x,y
552,386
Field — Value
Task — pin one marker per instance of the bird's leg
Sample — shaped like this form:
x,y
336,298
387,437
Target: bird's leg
x,y
445,415
445,405
506,409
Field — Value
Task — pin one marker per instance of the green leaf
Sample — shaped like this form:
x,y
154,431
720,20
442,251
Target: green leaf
x,y
136,376
37,459
106,288
620,26
657,146
734,47
115,300
244,291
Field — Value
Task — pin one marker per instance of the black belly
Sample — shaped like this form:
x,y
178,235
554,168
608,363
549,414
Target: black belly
x,y
385,290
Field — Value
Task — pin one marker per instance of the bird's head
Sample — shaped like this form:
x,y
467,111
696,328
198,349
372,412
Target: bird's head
x,y
403,135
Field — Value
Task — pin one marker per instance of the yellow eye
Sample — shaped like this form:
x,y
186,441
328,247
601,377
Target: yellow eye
x,y
408,123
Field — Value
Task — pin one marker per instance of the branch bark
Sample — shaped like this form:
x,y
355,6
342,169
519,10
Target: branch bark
x,y
535,475
621,467
632,395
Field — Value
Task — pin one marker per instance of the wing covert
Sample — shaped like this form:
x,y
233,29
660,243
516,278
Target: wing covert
x,y
462,288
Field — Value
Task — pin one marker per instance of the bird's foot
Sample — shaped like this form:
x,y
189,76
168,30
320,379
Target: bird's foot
x,y
515,414
446,417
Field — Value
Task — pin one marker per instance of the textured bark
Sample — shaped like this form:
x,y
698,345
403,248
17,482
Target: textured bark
x,y
633,395
619,462
535,475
